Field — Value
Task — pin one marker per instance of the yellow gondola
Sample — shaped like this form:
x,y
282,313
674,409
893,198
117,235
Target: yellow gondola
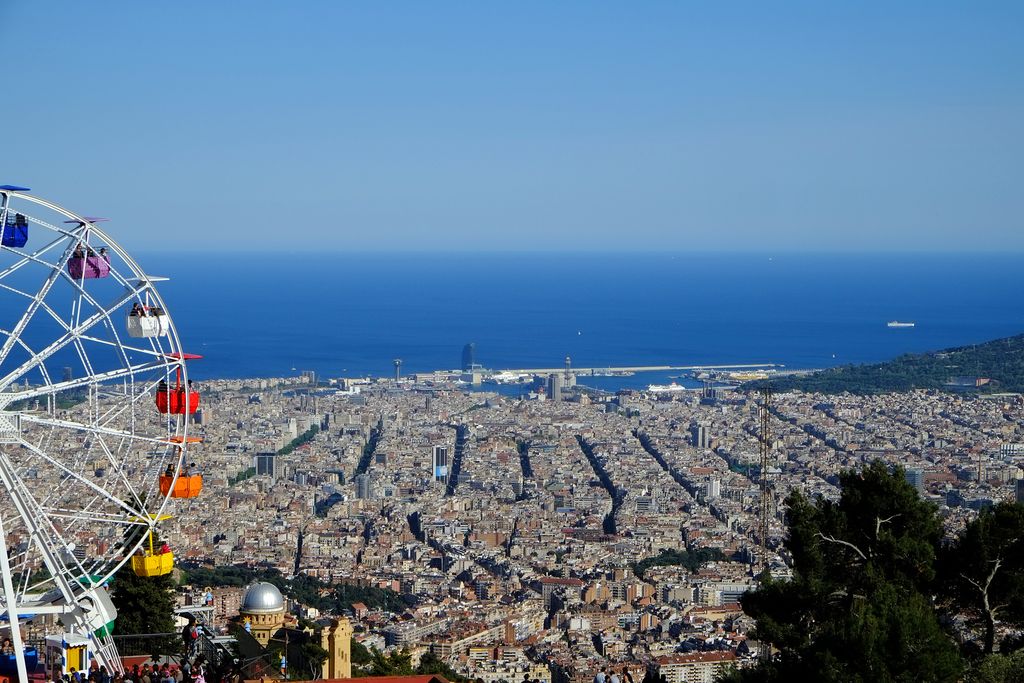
x,y
152,563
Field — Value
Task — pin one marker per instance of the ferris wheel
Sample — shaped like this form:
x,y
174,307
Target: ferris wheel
x,y
94,415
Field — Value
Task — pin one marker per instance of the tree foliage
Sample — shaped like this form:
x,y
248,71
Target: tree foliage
x,y
691,559
399,663
306,589
145,606
1000,669
299,441
1001,360
360,654
983,571
858,607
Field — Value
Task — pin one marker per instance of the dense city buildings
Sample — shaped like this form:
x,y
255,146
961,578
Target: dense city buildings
x,y
516,527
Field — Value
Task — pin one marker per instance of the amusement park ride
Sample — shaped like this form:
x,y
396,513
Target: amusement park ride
x,y
94,406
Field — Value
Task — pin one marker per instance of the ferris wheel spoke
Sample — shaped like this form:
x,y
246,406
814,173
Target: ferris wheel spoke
x,y
119,410
120,345
56,387
116,462
80,479
34,305
92,429
69,337
33,257
97,516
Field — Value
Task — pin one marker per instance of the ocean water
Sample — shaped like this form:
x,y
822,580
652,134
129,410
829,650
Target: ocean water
x,y
351,314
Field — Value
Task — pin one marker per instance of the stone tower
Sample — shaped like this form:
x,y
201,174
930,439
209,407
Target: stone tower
x,y
337,640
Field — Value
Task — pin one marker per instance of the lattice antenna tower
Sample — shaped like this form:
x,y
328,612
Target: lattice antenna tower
x,y
766,488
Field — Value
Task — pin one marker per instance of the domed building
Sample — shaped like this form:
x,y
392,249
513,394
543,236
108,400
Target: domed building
x,y
262,611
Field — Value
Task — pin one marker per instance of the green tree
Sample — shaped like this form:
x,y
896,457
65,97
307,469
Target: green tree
x,y
999,669
398,663
431,664
360,655
983,571
858,606
145,606
314,656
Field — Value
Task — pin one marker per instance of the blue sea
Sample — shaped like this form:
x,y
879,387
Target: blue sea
x,y
351,314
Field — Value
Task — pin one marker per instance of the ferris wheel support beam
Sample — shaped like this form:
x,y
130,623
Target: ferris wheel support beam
x,y
11,599
76,613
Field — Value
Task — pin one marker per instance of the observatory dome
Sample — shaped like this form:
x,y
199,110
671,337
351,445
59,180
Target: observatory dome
x,y
262,598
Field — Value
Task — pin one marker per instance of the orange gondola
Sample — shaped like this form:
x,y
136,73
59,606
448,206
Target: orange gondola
x,y
187,486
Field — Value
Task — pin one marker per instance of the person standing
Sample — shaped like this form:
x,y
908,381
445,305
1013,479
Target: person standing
x,y
615,677
601,676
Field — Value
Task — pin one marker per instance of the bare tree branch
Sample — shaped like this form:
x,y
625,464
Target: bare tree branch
x,y
833,539
879,522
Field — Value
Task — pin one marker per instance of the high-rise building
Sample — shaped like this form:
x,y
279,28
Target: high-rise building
x,y
439,464
68,375
555,387
266,463
469,356
915,478
1020,490
699,436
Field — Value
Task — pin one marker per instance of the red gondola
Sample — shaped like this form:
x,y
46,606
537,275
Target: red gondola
x,y
177,400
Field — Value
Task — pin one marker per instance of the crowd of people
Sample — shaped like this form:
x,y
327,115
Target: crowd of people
x,y
190,667
187,672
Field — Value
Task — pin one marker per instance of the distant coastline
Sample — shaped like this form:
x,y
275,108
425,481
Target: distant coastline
x,y
991,367
351,315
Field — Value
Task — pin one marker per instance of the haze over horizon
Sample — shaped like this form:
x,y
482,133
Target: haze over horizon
x,y
570,127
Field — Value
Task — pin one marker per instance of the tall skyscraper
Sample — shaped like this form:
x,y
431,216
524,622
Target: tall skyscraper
x,y
915,478
468,356
439,464
266,463
555,386
699,436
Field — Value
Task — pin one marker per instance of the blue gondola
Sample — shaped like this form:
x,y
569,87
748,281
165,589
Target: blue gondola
x,y
15,232
9,663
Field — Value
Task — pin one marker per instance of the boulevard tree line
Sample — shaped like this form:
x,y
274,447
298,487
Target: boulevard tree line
x,y
877,595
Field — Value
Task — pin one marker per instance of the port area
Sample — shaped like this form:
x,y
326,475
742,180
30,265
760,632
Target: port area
x,y
737,372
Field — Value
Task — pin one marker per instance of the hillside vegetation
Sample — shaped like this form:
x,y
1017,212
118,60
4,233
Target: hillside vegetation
x,y
1001,361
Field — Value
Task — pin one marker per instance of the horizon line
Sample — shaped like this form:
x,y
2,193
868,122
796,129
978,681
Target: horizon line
x,y
586,252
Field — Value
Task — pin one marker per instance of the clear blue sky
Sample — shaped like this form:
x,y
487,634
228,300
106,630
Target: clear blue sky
x,y
529,126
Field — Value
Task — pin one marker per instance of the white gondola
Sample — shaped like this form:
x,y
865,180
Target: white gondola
x,y
147,326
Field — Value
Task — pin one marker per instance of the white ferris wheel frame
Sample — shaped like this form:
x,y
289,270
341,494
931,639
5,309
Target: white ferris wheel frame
x,y
75,586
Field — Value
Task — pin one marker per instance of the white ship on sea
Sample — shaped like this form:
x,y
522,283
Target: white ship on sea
x,y
658,388
897,323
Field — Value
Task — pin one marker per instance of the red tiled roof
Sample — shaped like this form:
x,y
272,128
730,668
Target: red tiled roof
x,y
558,581
385,679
